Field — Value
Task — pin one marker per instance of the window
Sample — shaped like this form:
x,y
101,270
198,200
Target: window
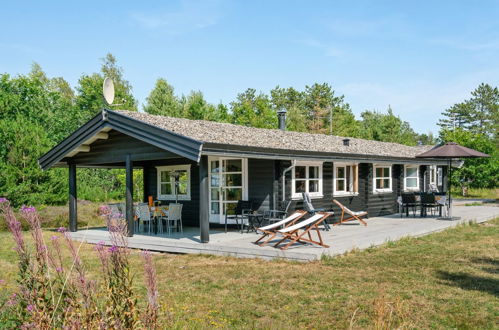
x,y
382,178
166,182
440,176
345,179
307,177
411,178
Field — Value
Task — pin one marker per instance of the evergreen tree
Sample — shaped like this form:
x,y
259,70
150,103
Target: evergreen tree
x,y
253,110
162,100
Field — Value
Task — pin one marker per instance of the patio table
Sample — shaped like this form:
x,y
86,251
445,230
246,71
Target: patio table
x,y
157,213
255,220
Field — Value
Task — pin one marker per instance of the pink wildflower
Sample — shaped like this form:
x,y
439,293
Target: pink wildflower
x,y
61,230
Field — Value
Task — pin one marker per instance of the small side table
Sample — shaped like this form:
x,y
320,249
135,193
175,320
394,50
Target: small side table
x,y
255,221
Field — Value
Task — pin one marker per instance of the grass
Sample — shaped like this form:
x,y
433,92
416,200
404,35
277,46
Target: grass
x,y
482,193
444,280
57,216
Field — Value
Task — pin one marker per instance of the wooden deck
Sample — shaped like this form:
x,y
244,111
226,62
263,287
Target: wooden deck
x,y
341,239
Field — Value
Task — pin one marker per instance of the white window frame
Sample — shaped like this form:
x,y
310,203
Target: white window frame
x,y
319,194
182,197
345,192
390,180
406,177
433,174
440,176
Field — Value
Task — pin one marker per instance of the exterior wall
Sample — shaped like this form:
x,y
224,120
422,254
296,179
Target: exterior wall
x,y
190,209
261,183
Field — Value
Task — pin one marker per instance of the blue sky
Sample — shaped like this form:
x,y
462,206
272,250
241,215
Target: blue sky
x,y
417,56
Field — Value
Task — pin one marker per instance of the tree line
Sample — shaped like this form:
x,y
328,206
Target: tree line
x,y
37,112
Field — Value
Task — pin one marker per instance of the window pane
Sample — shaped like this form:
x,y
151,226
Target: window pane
x,y
215,208
183,177
313,172
313,186
411,171
166,189
379,172
165,176
233,165
300,172
382,183
215,194
340,172
233,194
182,188
230,208
412,183
386,172
214,166
300,186
215,180
340,185
233,180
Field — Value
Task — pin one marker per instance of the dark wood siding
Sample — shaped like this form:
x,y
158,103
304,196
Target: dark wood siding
x,y
116,147
384,203
261,183
190,209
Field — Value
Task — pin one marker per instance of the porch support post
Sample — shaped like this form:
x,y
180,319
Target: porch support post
x,y
73,214
129,195
145,180
204,216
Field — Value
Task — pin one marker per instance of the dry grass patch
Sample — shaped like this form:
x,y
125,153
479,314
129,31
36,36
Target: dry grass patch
x,y
444,280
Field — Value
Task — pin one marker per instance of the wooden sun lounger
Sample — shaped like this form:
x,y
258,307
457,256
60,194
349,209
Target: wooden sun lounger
x,y
271,229
353,215
295,233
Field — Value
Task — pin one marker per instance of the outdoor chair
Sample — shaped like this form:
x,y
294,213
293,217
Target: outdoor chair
x,y
144,214
243,208
174,219
428,202
353,215
270,230
409,202
442,205
295,233
307,204
433,188
113,208
271,216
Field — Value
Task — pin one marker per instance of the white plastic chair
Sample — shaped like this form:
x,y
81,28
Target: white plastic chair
x,y
144,216
443,202
174,217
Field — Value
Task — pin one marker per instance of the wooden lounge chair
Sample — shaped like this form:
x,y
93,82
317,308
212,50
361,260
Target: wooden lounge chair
x,y
271,229
295,233
353,215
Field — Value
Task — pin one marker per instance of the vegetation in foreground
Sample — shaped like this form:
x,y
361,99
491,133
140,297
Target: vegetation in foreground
x,y
445,280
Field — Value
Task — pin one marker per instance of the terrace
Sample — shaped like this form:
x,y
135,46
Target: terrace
x,y
343,238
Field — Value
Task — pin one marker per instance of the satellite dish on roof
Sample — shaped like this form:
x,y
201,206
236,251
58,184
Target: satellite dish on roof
x,y
108,90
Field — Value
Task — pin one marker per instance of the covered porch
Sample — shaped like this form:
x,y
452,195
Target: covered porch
x,y
111,141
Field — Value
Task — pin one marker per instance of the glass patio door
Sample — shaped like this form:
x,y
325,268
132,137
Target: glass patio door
x,y
227,186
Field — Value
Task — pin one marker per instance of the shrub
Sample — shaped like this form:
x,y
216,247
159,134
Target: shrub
x,y
54,293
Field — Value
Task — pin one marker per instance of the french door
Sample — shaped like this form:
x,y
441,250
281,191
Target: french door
x,y
228,184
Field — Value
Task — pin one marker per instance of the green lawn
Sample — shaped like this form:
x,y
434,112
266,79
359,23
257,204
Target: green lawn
x,y
477,193
444,280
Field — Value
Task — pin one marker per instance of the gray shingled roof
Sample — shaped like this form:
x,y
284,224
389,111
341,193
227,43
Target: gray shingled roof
x,y
237,135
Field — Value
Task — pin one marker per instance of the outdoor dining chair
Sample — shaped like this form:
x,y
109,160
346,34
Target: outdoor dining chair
x,y
295,233
428,202
174,218
144,214
354,215
270,230
409,202
271,216
243,208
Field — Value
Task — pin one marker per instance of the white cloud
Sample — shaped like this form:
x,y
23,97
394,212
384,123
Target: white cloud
x,y
191,15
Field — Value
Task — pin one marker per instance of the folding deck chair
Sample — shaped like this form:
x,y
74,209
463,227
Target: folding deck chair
x,y
295,233
353,215
270,230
